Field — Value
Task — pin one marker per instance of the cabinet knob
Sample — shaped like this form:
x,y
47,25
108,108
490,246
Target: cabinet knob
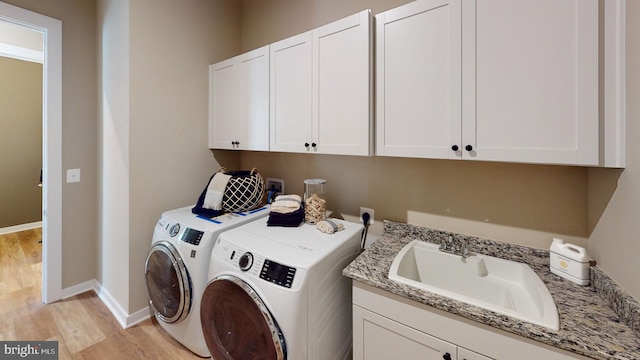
x,y
446,356
306,144
313,144
468,147
455,148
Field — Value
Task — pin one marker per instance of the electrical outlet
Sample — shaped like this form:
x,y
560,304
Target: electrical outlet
x,y
367,210
277,184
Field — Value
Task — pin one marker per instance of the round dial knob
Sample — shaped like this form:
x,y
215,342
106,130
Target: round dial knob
x,y
468,147
245,261
174,230
455,148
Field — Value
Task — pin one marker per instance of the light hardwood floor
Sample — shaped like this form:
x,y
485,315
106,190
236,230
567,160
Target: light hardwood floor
x,y
82,324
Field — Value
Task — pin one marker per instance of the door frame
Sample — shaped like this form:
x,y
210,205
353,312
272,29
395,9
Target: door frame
x,y
51,144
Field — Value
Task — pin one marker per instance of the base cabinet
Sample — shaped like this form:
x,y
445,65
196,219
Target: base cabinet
x,y
388,326
380,338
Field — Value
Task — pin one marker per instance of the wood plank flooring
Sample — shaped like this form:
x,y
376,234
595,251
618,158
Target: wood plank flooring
x,y
82,324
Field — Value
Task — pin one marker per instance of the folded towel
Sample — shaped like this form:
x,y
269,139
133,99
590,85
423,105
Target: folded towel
x,y
215,191
285,204
292,219
329,226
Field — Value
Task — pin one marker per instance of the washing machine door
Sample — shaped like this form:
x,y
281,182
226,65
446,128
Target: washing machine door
x,y
237,324
168,283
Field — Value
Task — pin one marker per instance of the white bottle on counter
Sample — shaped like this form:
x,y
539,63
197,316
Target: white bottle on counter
x,y
569,261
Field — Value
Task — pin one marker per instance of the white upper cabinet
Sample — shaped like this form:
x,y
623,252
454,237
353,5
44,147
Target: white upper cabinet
x,y
291,94
418,72
530,81
499,80
239,102
342,87
321,90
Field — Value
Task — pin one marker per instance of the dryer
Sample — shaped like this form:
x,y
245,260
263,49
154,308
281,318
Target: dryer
x,y
177,267
279,293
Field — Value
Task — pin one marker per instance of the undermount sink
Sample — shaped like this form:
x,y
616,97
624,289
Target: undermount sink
x,y
506,287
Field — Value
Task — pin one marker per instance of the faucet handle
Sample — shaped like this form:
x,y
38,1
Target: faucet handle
x,y
464,250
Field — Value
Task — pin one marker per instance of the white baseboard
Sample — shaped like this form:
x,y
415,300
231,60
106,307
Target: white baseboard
x,y
138,316
91,285
21,227
118,312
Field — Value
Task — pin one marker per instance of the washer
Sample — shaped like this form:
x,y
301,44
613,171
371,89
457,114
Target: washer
x,y
279,293
177,267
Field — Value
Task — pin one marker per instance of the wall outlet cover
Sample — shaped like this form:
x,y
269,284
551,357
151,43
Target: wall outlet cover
x,y
367,210
278,184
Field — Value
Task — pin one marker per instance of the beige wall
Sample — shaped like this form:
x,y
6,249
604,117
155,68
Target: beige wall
x,y
113,117
264,22
79,132
615,241
172,44
524,204
20,142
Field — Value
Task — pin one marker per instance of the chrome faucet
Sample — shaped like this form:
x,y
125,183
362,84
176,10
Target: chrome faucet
x,y
454,247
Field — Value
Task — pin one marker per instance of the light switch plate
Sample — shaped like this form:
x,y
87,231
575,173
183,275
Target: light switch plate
x,y
73,175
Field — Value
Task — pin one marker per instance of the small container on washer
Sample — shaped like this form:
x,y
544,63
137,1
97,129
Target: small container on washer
x,y
315,204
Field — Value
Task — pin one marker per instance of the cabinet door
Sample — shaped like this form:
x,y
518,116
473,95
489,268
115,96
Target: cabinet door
x,y
418,75
239,102
530,80
342,89
376,337
224,105
464,354
254,94
290,97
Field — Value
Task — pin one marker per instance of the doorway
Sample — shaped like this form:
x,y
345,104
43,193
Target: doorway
x,y
52,144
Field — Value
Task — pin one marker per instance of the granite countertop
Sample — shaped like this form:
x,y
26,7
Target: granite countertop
x,y
588,323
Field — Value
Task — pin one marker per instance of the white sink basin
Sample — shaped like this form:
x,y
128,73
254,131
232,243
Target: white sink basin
x,y
506,287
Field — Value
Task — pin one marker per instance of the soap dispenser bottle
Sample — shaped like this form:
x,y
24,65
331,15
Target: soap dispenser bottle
x,y
569,261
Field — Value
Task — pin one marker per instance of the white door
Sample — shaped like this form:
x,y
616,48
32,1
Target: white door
x,y
342,120
254,95
239,102
378,338
530,81
290,96
224,105
464,354
418,75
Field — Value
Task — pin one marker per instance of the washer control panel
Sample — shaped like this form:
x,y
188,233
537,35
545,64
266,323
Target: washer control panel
x,y
277,273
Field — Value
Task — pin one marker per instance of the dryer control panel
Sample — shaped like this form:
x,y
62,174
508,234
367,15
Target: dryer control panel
x,y
277,273
192,236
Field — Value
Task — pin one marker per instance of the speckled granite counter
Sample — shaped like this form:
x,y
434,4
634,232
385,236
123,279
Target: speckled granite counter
x,y
588,324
